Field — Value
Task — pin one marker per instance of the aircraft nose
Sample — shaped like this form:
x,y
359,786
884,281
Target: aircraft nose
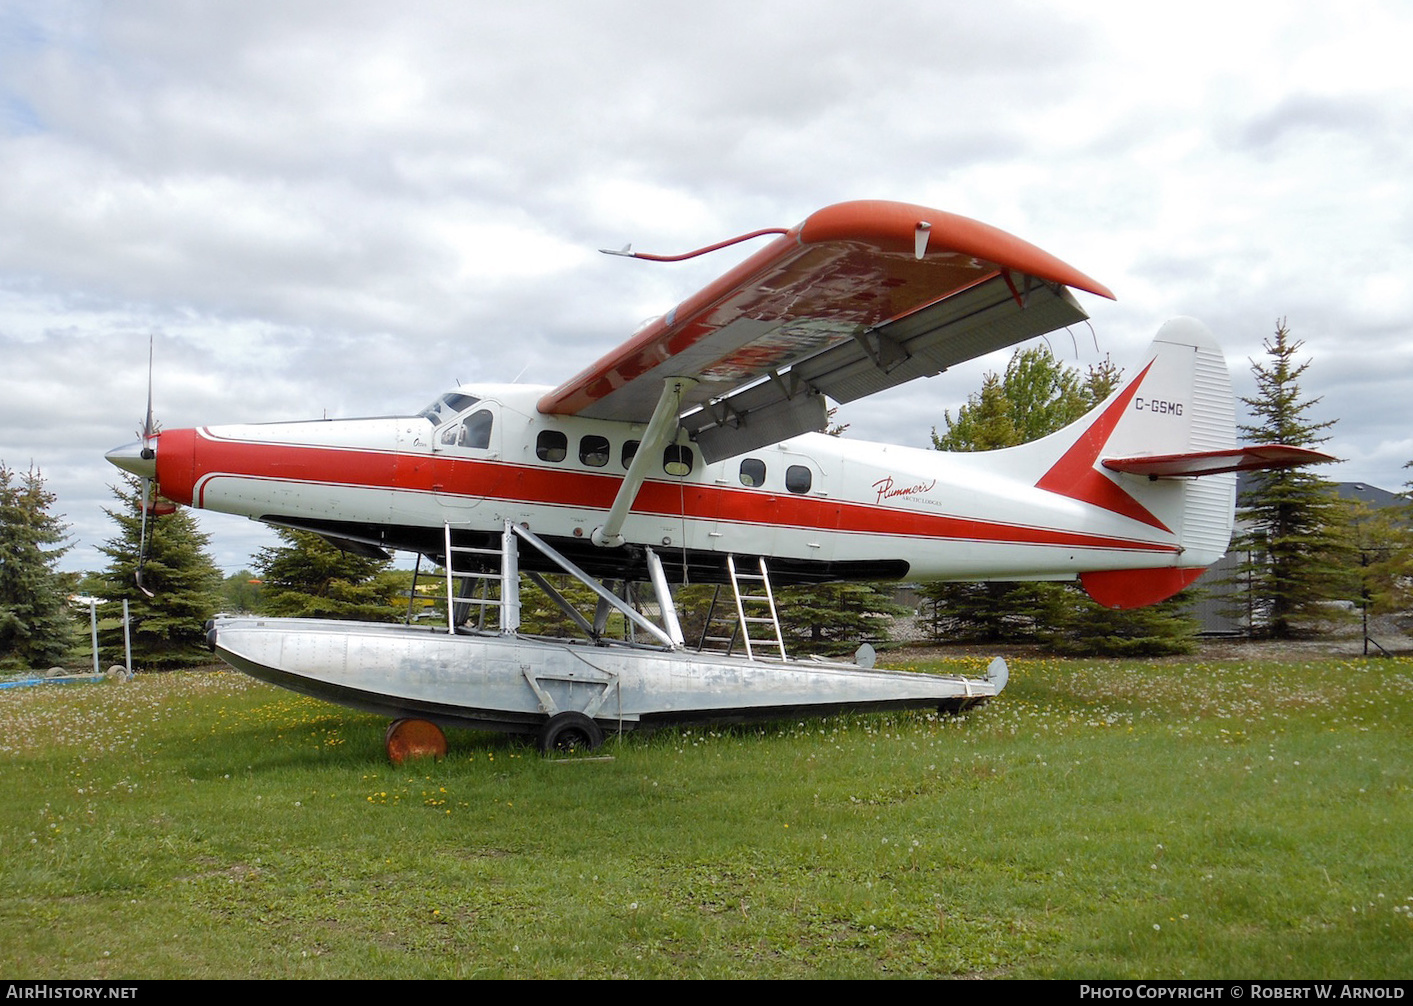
x,y
135,458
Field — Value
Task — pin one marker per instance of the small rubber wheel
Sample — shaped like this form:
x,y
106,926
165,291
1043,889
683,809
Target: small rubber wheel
x,y
414,739
568,732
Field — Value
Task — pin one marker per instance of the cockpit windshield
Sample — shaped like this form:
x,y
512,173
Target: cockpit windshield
x,y
447,406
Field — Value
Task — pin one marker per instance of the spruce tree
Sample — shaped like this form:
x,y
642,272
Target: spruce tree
x,y
168,628
1293,533
994,611
834,617
309,577
35,625
1082,628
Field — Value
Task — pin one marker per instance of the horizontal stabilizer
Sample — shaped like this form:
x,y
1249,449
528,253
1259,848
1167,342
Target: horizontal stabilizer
x,y
1237,459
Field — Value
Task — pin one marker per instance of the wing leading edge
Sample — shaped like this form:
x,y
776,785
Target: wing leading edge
x,y
858,298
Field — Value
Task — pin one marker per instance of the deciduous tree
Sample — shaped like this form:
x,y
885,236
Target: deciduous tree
x,y
241,593
1037,395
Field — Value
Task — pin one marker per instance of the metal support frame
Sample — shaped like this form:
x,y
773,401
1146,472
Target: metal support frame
x,y
661,430
509,576
746,594
603,594
665,604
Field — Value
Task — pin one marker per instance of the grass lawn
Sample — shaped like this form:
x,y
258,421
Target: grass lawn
x,y
1100,819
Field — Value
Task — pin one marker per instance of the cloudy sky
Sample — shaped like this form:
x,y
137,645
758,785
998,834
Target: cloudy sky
x,y
342,208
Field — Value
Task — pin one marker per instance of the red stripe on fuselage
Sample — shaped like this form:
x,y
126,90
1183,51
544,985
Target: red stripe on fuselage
x,y
465,477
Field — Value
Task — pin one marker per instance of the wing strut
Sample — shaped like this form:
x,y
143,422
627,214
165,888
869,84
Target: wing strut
x,y
661,430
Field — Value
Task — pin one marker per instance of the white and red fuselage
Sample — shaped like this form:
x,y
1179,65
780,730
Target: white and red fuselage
x,y
821,507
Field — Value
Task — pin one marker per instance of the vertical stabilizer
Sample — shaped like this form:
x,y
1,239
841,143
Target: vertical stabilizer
x,y
1179,402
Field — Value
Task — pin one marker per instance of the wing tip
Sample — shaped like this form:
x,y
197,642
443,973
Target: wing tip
x,y
892,227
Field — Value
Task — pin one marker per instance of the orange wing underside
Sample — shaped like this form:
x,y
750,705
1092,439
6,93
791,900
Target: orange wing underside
x,y
846,270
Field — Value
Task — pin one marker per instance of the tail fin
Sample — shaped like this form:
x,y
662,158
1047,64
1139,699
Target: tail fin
x,y
1178,405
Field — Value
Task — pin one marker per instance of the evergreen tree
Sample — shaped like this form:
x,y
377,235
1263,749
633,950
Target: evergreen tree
x,y
993,611
310,577
168,628
1293,532
1082,628
35,626
834,617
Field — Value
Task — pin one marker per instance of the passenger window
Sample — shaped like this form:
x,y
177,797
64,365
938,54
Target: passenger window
x,y
593,451
630,451
798,479
752,472
551,445
677,460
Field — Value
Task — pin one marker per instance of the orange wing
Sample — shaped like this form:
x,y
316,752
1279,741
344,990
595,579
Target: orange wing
x,y
860,297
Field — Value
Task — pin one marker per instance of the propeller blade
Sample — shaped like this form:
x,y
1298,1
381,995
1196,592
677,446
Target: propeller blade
x,y
147,430
142,539
147,454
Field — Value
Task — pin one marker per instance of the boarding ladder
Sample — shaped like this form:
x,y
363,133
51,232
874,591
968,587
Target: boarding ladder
x,y
755,610
461,586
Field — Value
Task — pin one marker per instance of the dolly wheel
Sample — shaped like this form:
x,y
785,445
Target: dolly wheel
x,y
414,739
567,732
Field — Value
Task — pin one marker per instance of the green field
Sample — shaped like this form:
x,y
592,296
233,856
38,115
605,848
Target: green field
x,y
1098,820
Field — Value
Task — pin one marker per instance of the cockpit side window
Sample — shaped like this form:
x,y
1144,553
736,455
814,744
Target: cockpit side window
x,y
476,430
473,432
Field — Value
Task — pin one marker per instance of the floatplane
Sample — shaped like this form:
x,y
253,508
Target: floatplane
x,y
693,452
